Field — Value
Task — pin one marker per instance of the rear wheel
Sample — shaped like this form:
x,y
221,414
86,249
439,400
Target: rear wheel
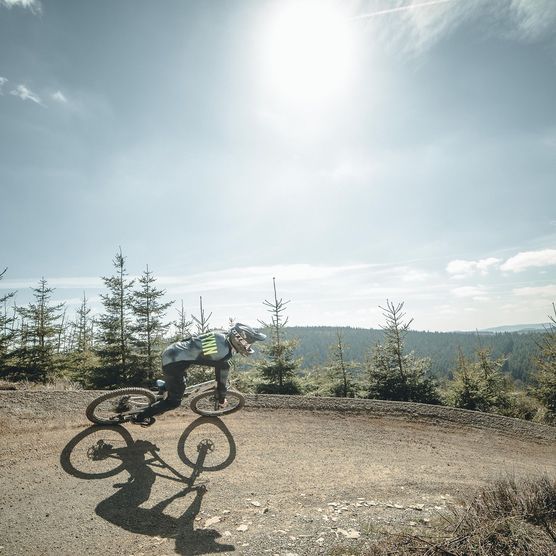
x,y
115,407
207,404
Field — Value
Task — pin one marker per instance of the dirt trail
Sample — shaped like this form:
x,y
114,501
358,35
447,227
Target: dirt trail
x,y
263,481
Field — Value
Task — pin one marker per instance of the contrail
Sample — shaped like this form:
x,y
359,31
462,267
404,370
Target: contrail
x,y
402,8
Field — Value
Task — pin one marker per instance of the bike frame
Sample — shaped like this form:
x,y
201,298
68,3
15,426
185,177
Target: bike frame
x,y
196,387
189,390
193,389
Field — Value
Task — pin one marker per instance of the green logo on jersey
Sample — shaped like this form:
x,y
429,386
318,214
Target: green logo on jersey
x,y
208,344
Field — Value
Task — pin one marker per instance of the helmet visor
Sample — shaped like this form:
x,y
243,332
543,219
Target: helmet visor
x,y
242,336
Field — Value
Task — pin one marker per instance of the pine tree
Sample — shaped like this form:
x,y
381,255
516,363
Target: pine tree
x,y
115,329
465,389
341,369
36,357
83,334
82,360
496,385
545,377
149,311
182,325
393,374
280,366
198,373
203,321
480,384
7,330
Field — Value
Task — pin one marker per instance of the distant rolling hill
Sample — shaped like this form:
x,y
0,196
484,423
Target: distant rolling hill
x,y
517,328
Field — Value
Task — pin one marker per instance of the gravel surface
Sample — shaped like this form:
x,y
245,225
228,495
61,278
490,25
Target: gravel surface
x,y
286,475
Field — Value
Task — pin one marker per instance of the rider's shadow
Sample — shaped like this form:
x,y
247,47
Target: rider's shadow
x,y
139,458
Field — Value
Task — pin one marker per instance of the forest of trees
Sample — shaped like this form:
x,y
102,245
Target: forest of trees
x,y
519,348
512,373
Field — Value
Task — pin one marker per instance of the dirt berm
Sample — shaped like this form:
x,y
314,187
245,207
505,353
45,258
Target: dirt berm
x,y
287,475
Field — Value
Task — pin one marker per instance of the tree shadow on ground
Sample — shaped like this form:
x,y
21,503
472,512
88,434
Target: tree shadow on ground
x,y
101,452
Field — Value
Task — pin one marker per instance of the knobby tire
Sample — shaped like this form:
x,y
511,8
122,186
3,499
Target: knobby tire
x,y
90,411
235,402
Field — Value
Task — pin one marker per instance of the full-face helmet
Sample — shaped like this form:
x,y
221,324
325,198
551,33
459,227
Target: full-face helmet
x,y
242,336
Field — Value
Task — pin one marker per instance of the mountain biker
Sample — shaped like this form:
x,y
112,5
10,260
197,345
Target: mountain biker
x,y
212,349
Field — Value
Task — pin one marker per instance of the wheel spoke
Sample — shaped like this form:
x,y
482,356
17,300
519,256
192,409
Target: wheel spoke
x,y
207,404
112,408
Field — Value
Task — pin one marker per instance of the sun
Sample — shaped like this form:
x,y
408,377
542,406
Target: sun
x,y
308,52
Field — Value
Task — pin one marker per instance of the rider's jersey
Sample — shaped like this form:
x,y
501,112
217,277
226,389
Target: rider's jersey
x,y
207,349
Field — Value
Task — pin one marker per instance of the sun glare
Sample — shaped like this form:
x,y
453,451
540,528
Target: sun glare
x,y
308,54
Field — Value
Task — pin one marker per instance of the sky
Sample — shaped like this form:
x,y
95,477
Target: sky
x,y
356,151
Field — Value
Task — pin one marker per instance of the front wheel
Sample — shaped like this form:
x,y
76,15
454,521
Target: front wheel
x,y
207,404
117,406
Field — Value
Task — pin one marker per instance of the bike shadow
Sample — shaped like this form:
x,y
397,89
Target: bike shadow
x,y
101,452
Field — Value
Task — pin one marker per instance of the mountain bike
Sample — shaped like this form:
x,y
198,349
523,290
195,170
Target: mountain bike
x,y
119,406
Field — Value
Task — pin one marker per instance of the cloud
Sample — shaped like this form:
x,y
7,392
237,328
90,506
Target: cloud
x,y
528,259
349,170
445,309
225,279
533,18
34,6
548,291
326,294
460,268
410,6
256,276
302,282
412,31
24,93
475,292
77,301
58,96
75,282
412,27
414,275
